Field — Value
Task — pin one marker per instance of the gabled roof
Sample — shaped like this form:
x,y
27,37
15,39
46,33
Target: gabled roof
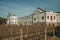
x,y
39,9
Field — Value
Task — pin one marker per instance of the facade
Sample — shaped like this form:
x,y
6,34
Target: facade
x,y
27,20
41,16
12,19
33,18
51,18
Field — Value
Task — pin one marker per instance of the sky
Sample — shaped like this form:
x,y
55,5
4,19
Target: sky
x,y
26,7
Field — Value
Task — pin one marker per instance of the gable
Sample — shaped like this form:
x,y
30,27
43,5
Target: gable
x,y
39,10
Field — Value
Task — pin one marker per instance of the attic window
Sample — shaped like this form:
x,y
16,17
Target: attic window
x,y
38,12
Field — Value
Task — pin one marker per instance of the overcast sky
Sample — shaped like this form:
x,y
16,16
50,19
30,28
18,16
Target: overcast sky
x,y
26,7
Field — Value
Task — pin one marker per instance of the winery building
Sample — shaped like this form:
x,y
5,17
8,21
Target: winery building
x,y
43,17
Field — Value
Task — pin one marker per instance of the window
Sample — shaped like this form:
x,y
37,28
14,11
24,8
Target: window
x,y
34,18
51,18
13,22
12,18
38,12
47,17
53,24
54,17
42,17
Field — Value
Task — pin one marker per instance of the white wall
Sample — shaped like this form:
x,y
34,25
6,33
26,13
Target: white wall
x,y
51,14
58,17
40,17
12,20
35,16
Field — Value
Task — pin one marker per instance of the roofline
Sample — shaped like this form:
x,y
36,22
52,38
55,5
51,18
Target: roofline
x,y
57,12
39,8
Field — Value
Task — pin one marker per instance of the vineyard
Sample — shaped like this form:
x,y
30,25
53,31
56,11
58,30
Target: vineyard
x,y
25,32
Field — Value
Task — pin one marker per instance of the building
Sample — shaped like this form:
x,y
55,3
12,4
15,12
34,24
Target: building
x,y
51,18
33,18
38,16
12,19
27,20
42,16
